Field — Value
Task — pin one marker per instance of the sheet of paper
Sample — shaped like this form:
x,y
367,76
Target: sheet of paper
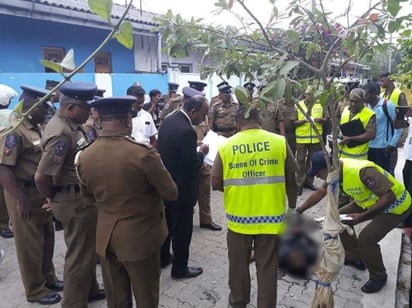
x,y
214,141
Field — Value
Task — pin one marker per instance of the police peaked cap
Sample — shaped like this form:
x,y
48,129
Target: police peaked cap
x,y
223,83
173,86
249,86
190,92
34,92
113,105
197,85
83,91
225,89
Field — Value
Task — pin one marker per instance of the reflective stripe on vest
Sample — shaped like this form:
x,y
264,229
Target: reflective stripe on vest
x,y
305,132
363,196
360,151
253,163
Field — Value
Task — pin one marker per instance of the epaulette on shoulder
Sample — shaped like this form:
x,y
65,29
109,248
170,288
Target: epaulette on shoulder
x,y
89,143
132,140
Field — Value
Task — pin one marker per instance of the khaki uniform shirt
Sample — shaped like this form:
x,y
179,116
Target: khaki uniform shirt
x,y
172,105
126,181
22,150
274,114
92,130
62,139
224,117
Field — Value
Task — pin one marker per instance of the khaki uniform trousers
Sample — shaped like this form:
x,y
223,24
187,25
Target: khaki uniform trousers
x,y
203,195
34,239
266,248
79,223
120,277
4,216
304,152
365,247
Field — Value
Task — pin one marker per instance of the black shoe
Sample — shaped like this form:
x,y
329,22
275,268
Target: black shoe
x,y
6,233
98,296
190,273
212,226
57,286
49,299
309,186
358,264
299,191
373,286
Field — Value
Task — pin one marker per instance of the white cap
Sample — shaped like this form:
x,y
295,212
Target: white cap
x,y
6,94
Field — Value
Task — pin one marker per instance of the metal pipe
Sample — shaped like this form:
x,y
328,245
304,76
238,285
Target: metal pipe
x,y
159,51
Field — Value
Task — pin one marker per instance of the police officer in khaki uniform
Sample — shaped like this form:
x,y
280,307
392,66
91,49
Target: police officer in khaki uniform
x,y
56,179
6,94
222,114
131,226
20,152
378,197
218,97
172,101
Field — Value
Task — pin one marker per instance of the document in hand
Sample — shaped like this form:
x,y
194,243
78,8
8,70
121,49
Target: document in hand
x,y
214,141
353,128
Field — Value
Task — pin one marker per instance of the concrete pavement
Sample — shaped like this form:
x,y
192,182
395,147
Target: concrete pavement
x,y
210,289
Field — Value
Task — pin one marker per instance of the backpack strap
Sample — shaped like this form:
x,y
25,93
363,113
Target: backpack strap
x,y
389,122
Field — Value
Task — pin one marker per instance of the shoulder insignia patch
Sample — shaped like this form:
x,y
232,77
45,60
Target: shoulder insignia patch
x,y
60,148
11,141
132,140
91,135
370,183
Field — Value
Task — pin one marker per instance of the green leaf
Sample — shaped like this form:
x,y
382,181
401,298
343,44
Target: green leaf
x,y
242,95
68,60
102,8
19,108
279,88
52,65
288,67
125,35
394,7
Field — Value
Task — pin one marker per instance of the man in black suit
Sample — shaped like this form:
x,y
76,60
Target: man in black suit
x,y
177,147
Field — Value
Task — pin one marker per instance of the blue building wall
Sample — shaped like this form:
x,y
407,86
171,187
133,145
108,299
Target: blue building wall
x,y
120,82
22,39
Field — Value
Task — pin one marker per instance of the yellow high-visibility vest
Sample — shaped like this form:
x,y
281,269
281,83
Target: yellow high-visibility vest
x,y
360,151
363,196
305,132
394,97
254,182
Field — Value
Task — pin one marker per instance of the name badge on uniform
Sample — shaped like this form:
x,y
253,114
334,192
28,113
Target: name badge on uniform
x,y
36,142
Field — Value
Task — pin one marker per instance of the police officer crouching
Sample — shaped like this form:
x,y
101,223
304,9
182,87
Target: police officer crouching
x,y
127,181
379,197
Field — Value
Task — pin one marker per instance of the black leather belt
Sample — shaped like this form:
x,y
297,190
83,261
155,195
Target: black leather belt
x,y
67,188
225,130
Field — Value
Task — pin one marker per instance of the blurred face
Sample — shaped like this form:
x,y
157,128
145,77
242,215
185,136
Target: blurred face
x,y
355,105
225,98
94,115
155,99
323,174
370,97
79,112
39,114
137,106
385,82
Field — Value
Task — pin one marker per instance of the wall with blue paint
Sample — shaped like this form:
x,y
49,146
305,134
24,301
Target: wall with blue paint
x,y
22,39
120,82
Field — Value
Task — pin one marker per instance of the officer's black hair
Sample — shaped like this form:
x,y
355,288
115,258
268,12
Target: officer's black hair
x,y
385,75
254,114
154,92
373,87
136,90
194,103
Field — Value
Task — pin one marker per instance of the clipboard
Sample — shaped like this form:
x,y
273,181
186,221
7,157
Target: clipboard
x,y
353,128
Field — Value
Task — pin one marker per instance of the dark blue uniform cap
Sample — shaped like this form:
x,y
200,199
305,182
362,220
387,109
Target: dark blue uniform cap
x,y
190,92
197,85
34,92
249,86
173,86
114,105
225,89
83,91
318,162
223,83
